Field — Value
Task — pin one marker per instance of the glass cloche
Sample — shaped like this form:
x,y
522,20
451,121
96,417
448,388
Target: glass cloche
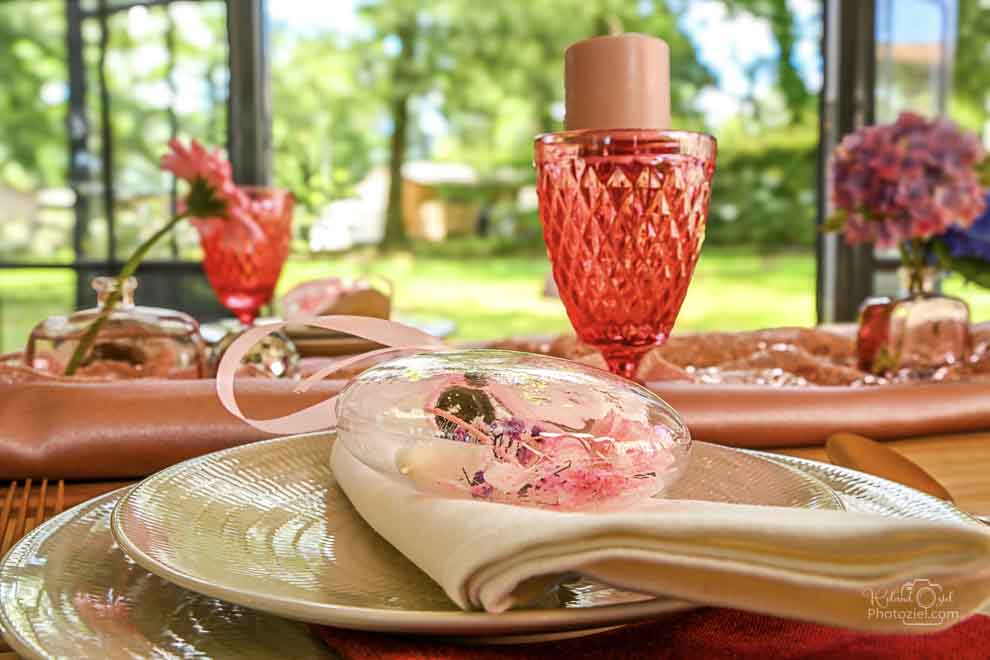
x,y
513,428
135,342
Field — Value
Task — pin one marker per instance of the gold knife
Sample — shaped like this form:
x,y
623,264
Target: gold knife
x,y
860,453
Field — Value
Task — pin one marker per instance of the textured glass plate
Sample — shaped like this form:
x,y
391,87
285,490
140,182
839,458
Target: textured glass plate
x,y
869,494
265,526
67,591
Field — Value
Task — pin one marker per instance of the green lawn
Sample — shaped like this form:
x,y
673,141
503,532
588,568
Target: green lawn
x,y
492,296
29,295
501,296
497,296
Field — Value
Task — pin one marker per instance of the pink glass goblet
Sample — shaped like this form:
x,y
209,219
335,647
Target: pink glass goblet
x,y
243,268
623,215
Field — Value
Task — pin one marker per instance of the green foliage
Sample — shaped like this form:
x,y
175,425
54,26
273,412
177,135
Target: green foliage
x,y
496,73
798,99
326,136
32,121
763,192
970,73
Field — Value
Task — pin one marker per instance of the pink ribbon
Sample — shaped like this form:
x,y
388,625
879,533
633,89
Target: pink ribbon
x,y
395,336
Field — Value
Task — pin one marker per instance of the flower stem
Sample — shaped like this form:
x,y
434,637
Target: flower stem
x,y
130,266
913,258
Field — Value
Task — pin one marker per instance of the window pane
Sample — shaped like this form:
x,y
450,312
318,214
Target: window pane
x,y
915,43
35,206
165,74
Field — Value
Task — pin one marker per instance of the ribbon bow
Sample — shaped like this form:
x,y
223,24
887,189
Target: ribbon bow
x,y
396,337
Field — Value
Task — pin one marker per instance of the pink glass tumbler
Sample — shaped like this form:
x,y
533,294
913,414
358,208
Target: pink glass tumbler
x,y
623,215
243,268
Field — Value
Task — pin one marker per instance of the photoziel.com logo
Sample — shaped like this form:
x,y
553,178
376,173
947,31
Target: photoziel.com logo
x,y
918,602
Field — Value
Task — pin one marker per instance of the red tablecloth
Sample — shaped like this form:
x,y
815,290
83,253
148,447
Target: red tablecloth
x,y
708,633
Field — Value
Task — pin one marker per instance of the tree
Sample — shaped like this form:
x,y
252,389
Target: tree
x,y
32,119
797,97
403,83
971,75
401,52
485,63
325,124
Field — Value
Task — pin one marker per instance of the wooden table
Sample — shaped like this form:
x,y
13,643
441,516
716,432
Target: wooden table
x,y
960,462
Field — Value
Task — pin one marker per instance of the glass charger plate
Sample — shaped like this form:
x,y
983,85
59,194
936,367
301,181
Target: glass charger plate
x,y
266,526
68,591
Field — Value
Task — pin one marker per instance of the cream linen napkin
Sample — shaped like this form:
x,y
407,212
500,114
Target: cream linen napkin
x,y
828,567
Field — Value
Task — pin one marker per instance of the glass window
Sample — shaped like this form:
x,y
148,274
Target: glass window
x,y
92,91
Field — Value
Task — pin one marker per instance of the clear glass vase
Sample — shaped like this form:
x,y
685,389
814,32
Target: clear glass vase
x,y
915,335
928,331
135,342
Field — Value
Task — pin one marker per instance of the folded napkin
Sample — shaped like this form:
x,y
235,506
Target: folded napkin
x,y
64,429
803,564
716,634
762,417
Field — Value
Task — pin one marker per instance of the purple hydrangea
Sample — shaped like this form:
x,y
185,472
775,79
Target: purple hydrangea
x,y
914,178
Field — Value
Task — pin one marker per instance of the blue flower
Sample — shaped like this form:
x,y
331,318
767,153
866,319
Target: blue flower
x,y
973,242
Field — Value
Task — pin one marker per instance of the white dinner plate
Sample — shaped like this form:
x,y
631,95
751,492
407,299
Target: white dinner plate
x,y
266,526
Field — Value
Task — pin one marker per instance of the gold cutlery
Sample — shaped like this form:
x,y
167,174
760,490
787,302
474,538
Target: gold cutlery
x,y
860,453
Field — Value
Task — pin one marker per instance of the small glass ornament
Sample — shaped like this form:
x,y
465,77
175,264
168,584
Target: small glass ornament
x,y
135,342
513,428
274,356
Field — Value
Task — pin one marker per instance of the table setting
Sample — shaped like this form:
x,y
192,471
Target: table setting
x,y
328,479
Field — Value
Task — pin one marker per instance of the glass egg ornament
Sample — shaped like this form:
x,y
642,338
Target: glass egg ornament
x,y
513,428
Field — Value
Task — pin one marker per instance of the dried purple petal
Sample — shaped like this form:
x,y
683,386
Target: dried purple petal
x,y
515,427
483,491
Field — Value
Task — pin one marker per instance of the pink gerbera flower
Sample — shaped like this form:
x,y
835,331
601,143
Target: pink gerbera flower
x,y
213,196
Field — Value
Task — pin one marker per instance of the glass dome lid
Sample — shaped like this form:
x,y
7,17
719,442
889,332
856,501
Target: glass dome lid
x,y
513,428
134,342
